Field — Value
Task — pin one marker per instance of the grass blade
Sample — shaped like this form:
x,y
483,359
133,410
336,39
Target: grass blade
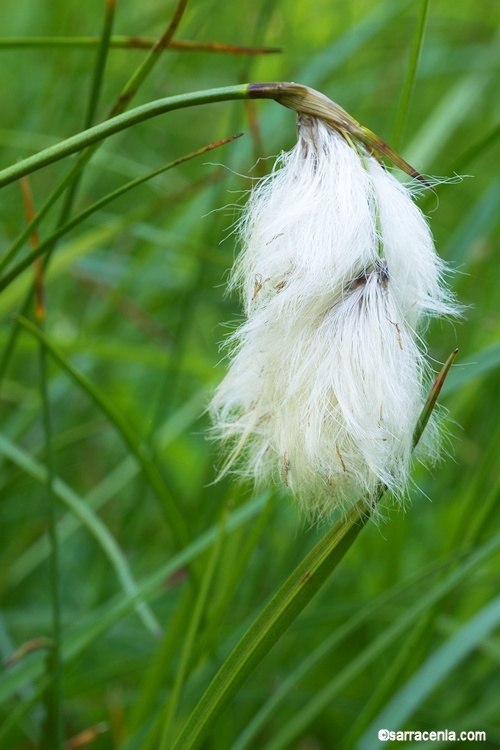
x,y
323,699
411,75
187,649
100,65
88,519
456,106
273,621
53,729
141,73
46,246
89,629
319,654
116,124
433,672
95,89
287,603
74,174
53,725
132,42
112,484
151,471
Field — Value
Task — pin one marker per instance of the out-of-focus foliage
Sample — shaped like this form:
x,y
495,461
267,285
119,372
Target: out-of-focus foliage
x,y
135,301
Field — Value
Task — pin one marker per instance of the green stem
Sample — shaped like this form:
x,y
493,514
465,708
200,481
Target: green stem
x,y
81,512
46,246
140,74
233,576
72,179
160,664
119,106
20,240
12,337
100,66
54,722
411,75
189,643
287,603
275,618
149,467
434,392
131,42
118,123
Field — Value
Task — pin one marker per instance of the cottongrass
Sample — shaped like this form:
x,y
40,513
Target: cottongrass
x,y
338,277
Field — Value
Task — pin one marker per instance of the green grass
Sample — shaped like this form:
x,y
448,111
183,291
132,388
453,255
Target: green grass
x,y
162,574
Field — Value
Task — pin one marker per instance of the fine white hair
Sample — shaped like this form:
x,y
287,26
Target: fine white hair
x,y
338,275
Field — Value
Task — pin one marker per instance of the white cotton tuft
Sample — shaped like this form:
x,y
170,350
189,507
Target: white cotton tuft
x,y
327,379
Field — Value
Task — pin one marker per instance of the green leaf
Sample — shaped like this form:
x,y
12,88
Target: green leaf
x,y
289,601
411,74
357,665
116,124
472,368
89,629
47,245
89,520
138,449
273,621
430,675
457,105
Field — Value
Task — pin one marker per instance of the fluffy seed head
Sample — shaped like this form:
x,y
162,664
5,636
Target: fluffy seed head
x,y
338,274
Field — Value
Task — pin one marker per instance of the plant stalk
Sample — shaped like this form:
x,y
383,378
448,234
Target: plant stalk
x,y
292,95
288,602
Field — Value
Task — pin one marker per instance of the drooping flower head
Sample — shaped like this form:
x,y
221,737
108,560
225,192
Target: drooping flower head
x,y
338,276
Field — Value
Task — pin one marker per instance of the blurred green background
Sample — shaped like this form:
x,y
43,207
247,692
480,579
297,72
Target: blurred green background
x,y
135,299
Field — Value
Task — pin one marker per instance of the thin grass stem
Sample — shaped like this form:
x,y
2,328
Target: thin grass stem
x,y
287,603
322,652
120,105
411,75
100,65
151,471
131,43
235,575
161,661
53,728
116,124
92,626
54,720
141,73
82,512
45,247
189,643
374,649
95,90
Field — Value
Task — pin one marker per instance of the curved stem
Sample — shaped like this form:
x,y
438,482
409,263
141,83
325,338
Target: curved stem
x,y
116,124
292,95
46,246
287,603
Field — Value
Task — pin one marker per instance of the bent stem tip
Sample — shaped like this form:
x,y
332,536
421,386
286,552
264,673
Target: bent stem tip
x,y
433,397
305,100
